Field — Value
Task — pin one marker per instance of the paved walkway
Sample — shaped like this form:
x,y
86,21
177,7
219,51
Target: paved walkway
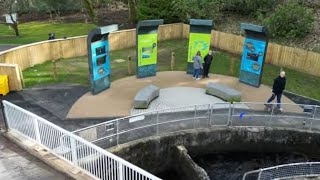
x,y
117,101
4,47
16,164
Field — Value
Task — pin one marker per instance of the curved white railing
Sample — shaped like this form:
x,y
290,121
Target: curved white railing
x,y
96,162
293,170
101,164
122,130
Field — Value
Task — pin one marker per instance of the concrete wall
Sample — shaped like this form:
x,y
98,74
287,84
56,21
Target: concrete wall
x,y
155,154
187,168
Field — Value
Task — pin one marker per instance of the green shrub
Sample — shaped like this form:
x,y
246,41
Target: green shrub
x,y
155,9
246,6
290,20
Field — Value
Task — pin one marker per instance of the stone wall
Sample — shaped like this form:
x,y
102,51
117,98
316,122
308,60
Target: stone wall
x,y
156,154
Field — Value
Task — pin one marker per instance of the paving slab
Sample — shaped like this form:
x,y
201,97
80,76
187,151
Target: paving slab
x,y
16,164
118,100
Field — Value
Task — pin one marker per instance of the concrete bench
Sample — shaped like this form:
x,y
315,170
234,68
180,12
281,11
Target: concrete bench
x,y
223,92
145,96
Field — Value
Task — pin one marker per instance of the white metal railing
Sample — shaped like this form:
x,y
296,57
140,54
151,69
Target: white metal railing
x,y
96,162
305,169
122,130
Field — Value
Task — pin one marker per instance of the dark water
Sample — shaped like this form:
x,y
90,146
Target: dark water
x,y
232,166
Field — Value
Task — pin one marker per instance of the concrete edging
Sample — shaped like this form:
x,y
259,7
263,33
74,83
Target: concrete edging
x,y
47,157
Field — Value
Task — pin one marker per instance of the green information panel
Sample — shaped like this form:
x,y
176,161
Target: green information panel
x,y
147,49
198,42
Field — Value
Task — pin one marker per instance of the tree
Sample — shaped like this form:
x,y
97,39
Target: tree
x,y
132,11
90,10
290,20
9,7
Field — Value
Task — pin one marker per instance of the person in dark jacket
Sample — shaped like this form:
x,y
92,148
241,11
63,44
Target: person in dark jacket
x,y
279,85
207,63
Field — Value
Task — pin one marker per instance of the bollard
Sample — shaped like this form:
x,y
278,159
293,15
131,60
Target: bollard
x,y
231,66
129,65
172,61
54,69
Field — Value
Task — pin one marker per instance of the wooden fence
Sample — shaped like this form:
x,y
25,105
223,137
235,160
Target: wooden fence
x,y
14,75
29,55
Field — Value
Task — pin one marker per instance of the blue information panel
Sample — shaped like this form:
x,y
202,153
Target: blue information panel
x,y
253,56
100,59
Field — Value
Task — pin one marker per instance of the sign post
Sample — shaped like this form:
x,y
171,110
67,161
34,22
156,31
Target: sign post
x,y
254,53
98,58
199,40
147,47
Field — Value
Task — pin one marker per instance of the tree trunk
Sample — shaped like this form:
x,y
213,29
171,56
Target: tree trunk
x,y
15,28
132,11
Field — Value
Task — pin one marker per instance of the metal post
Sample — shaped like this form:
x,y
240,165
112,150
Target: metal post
x,y
157,123
313,116
271,116
3,117
73,151
117,132
195,115
209,116
36,129
120,171
231,112
259,176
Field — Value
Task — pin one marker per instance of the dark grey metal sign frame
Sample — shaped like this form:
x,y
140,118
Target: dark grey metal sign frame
x,y
98,58
258,35
146,27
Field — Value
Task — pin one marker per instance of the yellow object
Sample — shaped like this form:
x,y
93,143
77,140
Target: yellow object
x,y
4,85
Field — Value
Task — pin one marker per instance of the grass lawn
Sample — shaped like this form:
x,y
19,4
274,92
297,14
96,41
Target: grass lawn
x,y
38,31
75,70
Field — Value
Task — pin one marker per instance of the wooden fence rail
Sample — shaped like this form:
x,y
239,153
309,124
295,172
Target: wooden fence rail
x,y
32,54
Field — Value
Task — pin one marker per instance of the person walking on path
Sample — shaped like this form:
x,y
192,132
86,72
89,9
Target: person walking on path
x,y
279,85
207,63
197,65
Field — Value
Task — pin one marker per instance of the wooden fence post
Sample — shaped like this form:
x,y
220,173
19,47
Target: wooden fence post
x,y
54,69
231,65
129,64
172,61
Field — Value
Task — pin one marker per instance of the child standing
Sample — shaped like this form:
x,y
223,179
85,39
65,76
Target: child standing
x,y
197,65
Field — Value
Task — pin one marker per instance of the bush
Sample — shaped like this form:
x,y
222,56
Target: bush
x,y
155,9
177,10
290,20
246,6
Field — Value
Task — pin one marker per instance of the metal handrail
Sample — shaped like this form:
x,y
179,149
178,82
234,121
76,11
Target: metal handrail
x,y
259,172
78,147
230,115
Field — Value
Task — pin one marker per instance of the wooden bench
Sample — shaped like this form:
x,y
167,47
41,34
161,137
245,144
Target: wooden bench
x,y
223,92
145,96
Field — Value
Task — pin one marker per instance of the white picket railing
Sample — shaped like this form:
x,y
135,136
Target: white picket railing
x,y
96,162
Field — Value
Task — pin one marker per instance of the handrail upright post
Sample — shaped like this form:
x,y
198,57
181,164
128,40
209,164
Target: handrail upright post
x,y
36,129
195,115
231,112
157,123
210,114
3,110
117,132
271,116
313,116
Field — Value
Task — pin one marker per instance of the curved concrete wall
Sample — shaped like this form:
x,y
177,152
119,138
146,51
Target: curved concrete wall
x,y
155,154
